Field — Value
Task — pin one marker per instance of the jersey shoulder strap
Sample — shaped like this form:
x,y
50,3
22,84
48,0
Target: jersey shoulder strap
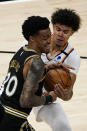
x,y
67,53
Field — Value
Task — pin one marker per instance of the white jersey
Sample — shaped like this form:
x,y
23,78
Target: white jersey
x,y
68,56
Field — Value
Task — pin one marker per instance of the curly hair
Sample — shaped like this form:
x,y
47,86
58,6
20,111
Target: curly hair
x,y
33,25
66,17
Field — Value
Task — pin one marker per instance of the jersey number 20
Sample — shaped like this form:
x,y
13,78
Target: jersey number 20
x,y
9,80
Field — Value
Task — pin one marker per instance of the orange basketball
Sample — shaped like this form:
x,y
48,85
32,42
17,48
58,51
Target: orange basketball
x,y
55,76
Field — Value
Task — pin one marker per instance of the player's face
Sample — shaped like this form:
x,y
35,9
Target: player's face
x,y
43,40
61,34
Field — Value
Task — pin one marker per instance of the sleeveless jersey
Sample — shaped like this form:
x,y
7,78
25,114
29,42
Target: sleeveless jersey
x,y
13,83
68,56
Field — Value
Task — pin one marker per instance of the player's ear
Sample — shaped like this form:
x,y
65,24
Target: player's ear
x,y
72,32
31,38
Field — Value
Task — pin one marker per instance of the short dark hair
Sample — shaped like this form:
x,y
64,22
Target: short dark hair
x,y
66,17
32,25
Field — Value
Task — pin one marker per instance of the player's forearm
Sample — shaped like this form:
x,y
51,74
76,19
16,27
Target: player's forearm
x,y
32,100
73,78
70,94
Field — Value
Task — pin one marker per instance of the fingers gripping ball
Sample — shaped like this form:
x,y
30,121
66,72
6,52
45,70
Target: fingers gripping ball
x,y
55,76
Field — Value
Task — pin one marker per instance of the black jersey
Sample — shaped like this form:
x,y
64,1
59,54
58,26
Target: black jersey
x,y
13,83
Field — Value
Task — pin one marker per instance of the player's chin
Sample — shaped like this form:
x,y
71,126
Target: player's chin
x,y
47,51
60,43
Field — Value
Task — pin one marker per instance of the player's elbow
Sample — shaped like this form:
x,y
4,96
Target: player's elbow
x,y
24,103
69,96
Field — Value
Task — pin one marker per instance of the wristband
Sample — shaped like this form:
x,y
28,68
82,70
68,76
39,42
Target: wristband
x,y
48,100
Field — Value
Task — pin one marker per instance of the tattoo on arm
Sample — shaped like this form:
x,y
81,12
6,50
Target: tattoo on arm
x,y
28,97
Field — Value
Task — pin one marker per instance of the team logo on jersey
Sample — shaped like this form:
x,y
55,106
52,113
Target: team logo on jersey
x,y
58,59
15,64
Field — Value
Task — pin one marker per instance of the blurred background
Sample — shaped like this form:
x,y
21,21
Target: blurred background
x,y
12,15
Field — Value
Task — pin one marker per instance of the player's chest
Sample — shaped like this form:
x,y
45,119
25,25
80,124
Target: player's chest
x,y
53,59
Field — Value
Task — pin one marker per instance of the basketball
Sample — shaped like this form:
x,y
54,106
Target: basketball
x,y
55,76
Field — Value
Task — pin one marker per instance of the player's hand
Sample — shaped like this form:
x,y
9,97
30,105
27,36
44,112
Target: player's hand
x,y
45,93
66,67
64,94
53,94
58,65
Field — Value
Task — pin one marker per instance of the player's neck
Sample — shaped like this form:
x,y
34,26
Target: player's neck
x,y
56,49
33,47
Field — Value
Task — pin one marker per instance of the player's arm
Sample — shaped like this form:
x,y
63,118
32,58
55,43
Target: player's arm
x,y
67,93
73,78
58,65
28,97
74,61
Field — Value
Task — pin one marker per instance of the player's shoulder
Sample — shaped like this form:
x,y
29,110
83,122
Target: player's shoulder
x,y
74,56
44,58
68,48
73,60
73,51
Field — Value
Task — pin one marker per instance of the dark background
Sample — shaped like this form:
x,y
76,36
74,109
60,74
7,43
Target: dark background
x,y
6,0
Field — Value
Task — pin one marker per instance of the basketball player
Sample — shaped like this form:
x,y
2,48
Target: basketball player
x,y
24,81
65,23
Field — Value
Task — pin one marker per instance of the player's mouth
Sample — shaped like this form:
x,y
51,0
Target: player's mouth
x,y
60,40
48,48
